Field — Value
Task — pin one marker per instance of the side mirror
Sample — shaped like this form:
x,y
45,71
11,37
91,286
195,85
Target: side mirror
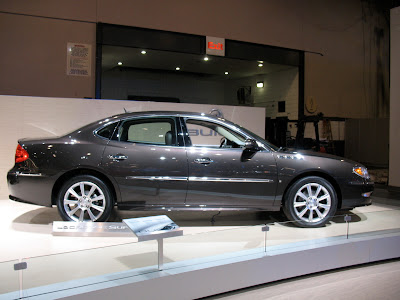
x,y
251,144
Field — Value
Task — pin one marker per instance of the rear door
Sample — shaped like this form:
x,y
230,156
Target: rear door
x,y
147,161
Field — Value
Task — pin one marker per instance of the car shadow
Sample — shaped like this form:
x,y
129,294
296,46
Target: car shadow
x,y
44,216
41,219
201,218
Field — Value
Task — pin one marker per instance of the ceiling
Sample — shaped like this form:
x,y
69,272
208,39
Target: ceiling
x,y
166,61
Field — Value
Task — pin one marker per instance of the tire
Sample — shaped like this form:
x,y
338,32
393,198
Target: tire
x,y
85,198
310,202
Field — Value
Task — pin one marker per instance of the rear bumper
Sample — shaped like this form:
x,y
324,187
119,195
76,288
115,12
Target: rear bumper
x,y
30,188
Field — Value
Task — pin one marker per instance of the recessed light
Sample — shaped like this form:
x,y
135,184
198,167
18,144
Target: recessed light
x,y
119,63
226,73
177,68
143,52
260,65
206,58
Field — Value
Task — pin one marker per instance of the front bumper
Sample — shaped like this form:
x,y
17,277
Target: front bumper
x,y
357,193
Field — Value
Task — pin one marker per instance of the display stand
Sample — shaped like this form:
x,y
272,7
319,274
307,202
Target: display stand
x,y
154,228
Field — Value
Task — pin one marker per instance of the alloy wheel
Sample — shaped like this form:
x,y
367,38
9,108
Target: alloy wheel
x,y
312,202
84,201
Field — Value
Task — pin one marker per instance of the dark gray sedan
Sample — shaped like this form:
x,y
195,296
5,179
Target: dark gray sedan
x,y
181,161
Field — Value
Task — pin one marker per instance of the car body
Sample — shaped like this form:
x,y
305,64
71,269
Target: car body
x,y
181,161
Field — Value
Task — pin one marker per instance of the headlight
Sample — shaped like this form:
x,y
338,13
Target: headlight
x,y
361,171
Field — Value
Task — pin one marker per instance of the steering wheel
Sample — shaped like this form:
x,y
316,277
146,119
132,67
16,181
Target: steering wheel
x,y
223,142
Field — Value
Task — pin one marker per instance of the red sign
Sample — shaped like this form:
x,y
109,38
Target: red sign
x,y
215,46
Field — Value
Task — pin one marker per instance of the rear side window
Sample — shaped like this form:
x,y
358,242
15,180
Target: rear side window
x,y
107,131
153,131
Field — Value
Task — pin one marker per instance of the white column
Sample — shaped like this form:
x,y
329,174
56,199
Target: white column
x,y
394,139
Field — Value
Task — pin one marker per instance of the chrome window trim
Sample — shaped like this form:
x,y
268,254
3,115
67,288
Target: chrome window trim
x,y
147,117
223,123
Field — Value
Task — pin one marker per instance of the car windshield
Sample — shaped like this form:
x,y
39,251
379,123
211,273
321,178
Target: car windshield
x,y
272,146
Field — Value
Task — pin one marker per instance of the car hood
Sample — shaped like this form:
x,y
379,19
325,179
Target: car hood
x,y
316,154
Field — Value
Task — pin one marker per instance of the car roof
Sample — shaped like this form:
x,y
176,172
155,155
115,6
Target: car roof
x,y
164,113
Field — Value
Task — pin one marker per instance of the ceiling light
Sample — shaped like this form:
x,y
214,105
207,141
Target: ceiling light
x,y
260,65
143,52
177,68
119,63
260,84
226,73
206,58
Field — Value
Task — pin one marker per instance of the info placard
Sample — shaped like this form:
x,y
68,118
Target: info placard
x,y
79,59
155,227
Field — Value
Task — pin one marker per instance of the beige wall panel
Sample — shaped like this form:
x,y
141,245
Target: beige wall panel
x,y
337,80
367,141
271,22
336,87
33,56
64,9
343,81
394,150
48,117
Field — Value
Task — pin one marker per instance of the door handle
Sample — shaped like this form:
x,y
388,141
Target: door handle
x,y
203,161
117,157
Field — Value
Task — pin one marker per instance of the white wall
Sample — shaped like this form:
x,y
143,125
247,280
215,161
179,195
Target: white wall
x,y
394,150
32,117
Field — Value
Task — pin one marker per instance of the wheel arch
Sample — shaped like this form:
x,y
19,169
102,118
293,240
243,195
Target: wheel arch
x,y
326,176
82,171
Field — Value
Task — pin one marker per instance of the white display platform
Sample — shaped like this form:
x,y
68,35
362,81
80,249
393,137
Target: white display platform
x,y
219,274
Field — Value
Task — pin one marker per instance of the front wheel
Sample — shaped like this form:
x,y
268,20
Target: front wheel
x,y
85,198
310,202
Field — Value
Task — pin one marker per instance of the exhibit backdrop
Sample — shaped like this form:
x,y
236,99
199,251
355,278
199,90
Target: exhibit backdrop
x,y
36,117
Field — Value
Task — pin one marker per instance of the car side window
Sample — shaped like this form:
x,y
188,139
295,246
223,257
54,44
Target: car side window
x,y
208,134
107,131
154,131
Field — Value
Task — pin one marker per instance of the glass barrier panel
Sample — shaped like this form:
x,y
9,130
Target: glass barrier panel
x,y
58,271
9,280
283,235
214,245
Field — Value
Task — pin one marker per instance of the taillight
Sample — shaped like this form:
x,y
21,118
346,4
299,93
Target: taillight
x,y
21,154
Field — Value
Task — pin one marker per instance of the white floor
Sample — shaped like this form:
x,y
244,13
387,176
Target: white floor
x,y
26,232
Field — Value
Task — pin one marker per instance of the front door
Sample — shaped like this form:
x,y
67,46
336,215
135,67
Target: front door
x,y
223,173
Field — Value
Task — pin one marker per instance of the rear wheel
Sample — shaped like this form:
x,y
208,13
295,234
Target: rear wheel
x,y
85,198
310,202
